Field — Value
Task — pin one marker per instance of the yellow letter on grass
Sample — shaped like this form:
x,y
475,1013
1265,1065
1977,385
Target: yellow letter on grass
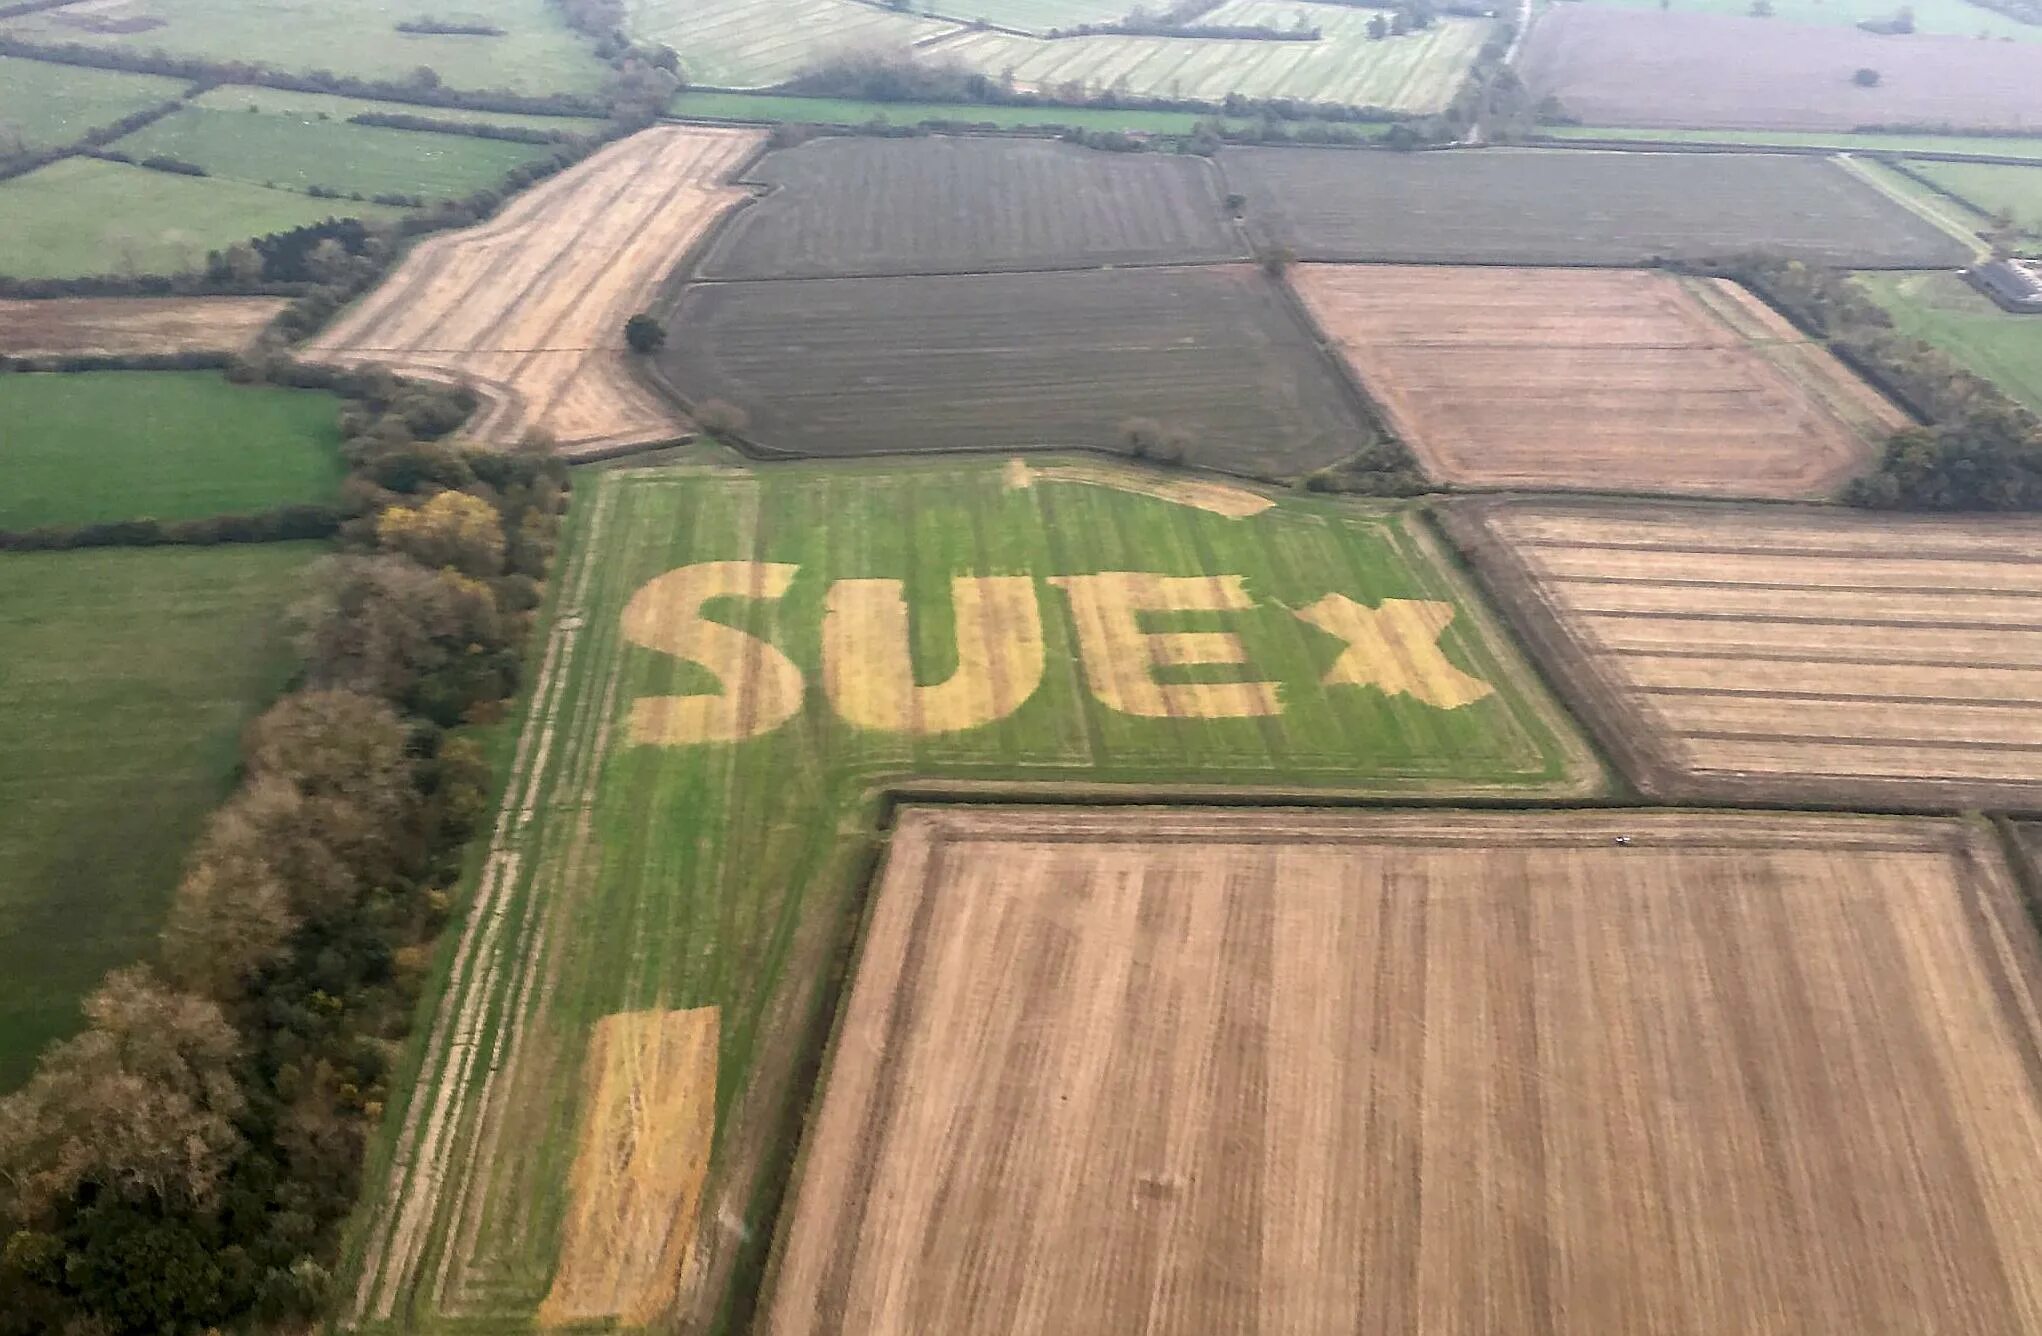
x,y
761,686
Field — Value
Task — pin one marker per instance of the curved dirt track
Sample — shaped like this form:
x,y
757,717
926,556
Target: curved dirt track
x,y
528,309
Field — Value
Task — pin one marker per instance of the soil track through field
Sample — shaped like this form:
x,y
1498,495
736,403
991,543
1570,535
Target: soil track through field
x,y
529,308
1601,380
1786,655
1184,1071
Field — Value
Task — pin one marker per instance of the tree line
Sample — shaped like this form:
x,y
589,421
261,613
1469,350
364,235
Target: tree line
x,y
1977,449
184,1163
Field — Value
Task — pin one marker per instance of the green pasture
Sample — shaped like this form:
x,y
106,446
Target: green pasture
x,y
730,874
760,43
82,216
1957,18
1943,310
315,106
127,679
2001,146
47,106
294,152
93,446
1992,188
538,54
771,108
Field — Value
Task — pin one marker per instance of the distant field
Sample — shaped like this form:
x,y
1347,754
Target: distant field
x,y
1418,73
2004,146
1280,1071
697,825
127,679
130,325
1598,380
1952,18
1714,71
1992,189
539,55
1018,361
293,152
840,207
1944,310
82,216
759,43
1786,653
311,106
845,111
1529,206
44,106
92,446
1039,15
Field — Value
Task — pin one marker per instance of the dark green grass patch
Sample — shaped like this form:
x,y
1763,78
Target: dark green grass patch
x,y
296,152
632,875
94,446
125,681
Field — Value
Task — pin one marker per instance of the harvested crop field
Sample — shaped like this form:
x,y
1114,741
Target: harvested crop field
x,y
1702,71
528,309
1195,1071
1574,206
124,326
1789,654
844,207
856,366
734,664
1602,380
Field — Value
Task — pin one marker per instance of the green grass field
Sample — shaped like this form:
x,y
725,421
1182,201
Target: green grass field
x,y
87,447
776,107
1036,15
311,106
1992,189
729,874
539,53
45,106
127,679
760,43
82,216
1958,18
1944,310
293,152
2009,146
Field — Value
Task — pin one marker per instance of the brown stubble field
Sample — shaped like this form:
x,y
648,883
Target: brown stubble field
x,y
1191,1071
528,309
127,326
1784,654
1603,380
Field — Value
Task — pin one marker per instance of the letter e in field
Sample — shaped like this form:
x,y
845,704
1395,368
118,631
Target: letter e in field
x,y
1121,658
762,688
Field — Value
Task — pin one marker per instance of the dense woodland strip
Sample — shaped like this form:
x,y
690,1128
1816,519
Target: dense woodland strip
x,y
186,1161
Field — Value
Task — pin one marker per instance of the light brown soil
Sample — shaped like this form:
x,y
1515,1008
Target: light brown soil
x,y
1218,498
1786,653
1194,1072
762,688
529,308
1599,380
127,326
868,661
648,1121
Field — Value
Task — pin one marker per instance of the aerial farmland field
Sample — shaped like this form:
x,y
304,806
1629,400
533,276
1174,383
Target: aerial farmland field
x,y
1942,309
1841,141
1785,654
665,850
1213,355
326,106
760,43
131,325
1224,1071
42,106
1950,18
1687,70
842,207
1992,188
82,216
1530,206
528,309
1603,380
127,679
1036,15
89,447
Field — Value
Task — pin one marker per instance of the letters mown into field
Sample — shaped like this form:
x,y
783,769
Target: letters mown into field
x,y
739,663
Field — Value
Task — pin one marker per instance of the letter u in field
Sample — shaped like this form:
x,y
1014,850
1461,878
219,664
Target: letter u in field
x,y
762,688
868,664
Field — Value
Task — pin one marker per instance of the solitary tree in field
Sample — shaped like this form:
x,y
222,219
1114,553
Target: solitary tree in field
x,y
644,334
1866,78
